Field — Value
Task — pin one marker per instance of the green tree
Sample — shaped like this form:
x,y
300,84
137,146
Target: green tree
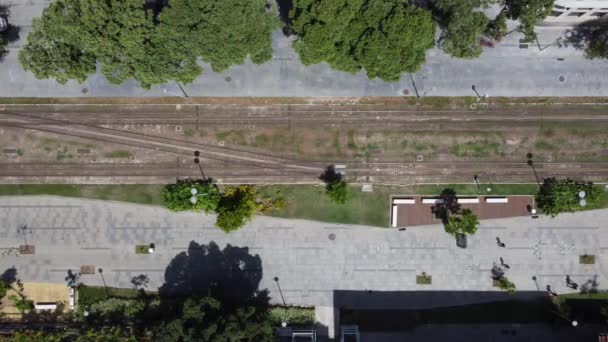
x,y
597,43
463,24
52,49
207,319
177,196
465,222
529,13
236,207
562,195
223,33
335,186
22,304
384,37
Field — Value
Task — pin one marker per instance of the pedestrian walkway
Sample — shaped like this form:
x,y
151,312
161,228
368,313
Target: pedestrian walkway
x,y
311,259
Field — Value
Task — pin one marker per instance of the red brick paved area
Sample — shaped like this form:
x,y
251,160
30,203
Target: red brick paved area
x,y
422,214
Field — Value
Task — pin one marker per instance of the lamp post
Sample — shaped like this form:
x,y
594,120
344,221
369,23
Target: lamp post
x,y
195,195
100,270
198,162
476,179
574,323
531,164
23,229
284,323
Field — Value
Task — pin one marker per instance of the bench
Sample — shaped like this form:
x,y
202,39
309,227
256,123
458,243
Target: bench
x,y
497,200
433,201
404,201
394,217
468,200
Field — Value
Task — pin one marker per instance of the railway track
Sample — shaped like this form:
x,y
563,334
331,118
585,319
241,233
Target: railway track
x,y
394,173
310,115
242,165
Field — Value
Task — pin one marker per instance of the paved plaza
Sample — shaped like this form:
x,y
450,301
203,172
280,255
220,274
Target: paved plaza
x,y
311,259
544,69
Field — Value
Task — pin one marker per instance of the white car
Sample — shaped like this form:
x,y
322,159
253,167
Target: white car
x,y
3,24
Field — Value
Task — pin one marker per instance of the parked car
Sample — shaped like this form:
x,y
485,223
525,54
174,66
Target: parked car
x,y
3,24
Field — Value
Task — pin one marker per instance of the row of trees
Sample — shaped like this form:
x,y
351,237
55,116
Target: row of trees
x,y
384,37
130,41
234,206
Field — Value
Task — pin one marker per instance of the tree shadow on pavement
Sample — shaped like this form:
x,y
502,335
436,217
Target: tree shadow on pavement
x,y
230,274
590,36
12,33
9,276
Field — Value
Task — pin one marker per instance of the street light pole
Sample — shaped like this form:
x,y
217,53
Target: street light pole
x,y
284,323
198,162
476,179
531,164
574,322
100,270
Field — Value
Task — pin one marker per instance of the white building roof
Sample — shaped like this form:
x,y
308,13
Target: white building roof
x,y
582,3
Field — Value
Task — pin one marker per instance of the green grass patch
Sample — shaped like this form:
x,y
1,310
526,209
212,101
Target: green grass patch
x,y
134,193
311,202
142,249
88,295
293,315
586,259
118,154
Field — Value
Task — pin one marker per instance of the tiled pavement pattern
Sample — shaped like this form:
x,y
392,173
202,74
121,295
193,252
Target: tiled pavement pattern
x,y
68,233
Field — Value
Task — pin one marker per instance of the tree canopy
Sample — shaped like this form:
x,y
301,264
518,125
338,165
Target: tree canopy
x,y
465,223
236,207
463,24
384,37
528,12
597,43
335,186
129,42
562,195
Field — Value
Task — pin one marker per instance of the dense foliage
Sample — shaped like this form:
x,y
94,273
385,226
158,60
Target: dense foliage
x,y
463,24
129,42
528,12
223,32
465,222
598,43
177,196
562,195
335,185
236,207
384,37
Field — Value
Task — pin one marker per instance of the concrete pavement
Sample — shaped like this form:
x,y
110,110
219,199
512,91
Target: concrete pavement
x,y
505,70
311,259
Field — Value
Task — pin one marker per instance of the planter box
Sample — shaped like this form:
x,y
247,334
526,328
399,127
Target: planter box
x,y
27,249
142,249
424,279
586,259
